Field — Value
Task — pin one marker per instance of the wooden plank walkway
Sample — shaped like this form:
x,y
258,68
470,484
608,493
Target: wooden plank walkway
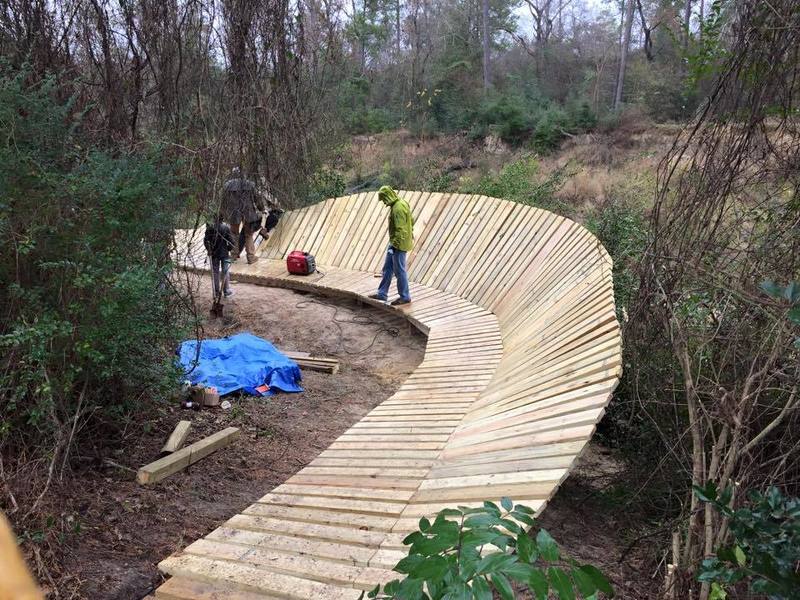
x,y
523,354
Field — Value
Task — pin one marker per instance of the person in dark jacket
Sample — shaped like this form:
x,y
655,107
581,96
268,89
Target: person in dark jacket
x,y
219,242
242,205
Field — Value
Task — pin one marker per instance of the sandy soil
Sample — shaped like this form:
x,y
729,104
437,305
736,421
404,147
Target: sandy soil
x,y
124,529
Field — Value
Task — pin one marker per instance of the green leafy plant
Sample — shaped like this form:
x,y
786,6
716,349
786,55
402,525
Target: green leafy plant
x,y
521,182
622,230
325,183
710,51
765,551
469,553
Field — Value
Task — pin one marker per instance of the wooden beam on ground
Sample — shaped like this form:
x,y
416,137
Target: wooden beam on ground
x,y
177,437
314,363
295,353
179,460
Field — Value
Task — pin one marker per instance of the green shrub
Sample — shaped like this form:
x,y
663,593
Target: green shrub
x,y
551,128
512,182
623,232
454,100
440,182
357,111
662,91
520,181
765,551
325,183
609,121
581,116
477,131
396,175
518,118
91,312
370,121
508,117
468,553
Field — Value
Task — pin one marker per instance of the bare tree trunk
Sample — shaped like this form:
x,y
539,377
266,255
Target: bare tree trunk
x,y
397,29
486,67
701,16
693,409
687,17
623,53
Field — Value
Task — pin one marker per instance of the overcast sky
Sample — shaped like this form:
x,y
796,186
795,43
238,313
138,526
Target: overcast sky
x,y
592,6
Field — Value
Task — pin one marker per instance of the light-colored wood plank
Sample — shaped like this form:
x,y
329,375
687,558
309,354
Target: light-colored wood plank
x,y
177,437
182,588
272,560
314,363
252,579
177,461
346,553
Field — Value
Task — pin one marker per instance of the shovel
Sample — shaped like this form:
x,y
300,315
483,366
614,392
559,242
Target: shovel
x,y
217,306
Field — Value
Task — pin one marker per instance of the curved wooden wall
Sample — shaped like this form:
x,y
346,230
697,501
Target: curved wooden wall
x,y
523,354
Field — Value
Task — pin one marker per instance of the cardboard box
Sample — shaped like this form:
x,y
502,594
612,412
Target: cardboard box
x,y
210,397
204,396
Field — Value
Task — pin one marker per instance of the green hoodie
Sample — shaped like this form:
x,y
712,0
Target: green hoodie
x,y
401,223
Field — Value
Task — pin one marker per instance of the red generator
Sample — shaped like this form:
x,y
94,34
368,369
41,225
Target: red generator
x,y
300,263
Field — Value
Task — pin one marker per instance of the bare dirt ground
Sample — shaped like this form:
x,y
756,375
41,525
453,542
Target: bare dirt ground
x,y
589,520
123,529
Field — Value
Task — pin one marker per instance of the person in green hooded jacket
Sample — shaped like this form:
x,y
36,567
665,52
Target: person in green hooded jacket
x,y
401,236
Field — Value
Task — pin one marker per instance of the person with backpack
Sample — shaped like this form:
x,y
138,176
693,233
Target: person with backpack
x,y
242,205
219,242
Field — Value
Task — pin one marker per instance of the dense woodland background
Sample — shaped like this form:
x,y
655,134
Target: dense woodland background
x,y
668,127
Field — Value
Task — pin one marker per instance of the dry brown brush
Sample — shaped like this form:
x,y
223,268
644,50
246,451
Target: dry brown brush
x,y
726,219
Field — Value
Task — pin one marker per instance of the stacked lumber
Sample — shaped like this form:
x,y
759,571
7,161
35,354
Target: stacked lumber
x,y
313,363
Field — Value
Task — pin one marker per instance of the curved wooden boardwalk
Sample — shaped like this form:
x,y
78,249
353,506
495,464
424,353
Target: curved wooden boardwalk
x,y
523,354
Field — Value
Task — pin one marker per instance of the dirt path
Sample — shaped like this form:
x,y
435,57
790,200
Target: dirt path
x,y
589,519
122,530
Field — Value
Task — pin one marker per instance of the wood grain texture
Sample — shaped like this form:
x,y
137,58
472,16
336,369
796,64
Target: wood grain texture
x,y
522,356
177,437
177,461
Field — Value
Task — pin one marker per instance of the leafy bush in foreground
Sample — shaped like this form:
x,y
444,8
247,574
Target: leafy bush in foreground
x,y
466,553
765,551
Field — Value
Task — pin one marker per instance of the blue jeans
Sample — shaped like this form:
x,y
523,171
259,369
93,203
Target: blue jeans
x,y
395,264
221,269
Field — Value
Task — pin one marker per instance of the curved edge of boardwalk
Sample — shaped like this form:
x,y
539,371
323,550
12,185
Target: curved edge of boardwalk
x,y
522,356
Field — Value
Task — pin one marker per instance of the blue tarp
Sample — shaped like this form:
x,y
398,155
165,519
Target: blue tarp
x,y
239,362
